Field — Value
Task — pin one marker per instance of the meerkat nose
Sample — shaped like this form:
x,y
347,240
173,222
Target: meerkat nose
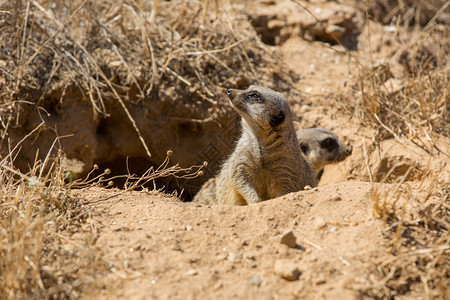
x,y
229,91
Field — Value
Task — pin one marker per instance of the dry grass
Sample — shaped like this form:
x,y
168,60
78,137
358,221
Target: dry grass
x,y
38,259
411,107
408,94
124,51
406,13
134,182
405,108
39,256
417,224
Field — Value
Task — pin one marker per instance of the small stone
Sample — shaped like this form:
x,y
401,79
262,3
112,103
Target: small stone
x,y
188,228
393,86
191,272
287,270
267,2
320,280
255,280
305,108
233,257
222,256
288,238
337,31
275,24
320,223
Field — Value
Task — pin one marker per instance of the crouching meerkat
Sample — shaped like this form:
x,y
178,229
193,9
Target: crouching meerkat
x,y
267,161
322,147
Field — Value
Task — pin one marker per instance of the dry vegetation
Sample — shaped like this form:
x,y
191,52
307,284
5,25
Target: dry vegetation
x,y
90,47
37,214
120,62
415,111
39,217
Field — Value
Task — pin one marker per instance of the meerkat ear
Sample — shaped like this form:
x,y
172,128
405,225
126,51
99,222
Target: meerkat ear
x,y
276,120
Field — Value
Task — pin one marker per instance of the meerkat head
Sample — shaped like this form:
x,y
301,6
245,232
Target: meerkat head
x,y
261,108
322,147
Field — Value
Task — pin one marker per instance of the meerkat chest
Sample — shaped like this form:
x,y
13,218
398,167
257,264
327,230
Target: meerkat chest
x,y
267,185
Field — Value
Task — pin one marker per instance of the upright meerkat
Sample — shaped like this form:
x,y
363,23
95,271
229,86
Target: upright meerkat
x,y
322,147
267,161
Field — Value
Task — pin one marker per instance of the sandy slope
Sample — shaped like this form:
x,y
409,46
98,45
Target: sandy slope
x,y
167,249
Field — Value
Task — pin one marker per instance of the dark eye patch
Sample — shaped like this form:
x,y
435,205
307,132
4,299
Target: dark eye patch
x,y
278,119
329,144
255,97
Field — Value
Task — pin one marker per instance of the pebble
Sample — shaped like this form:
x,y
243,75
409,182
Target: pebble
x,y
288,238
305,108
321,280
320,223
287,270
337,198
191,272
255,280
233,257
393,86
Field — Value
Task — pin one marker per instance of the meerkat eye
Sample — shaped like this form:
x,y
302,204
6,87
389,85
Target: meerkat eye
x,y
255,97
329,144
304,147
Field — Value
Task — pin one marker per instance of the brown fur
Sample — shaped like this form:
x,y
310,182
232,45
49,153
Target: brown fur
x,y
267,162
207,194
322,147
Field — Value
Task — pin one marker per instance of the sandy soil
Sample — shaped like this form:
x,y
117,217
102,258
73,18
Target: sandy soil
x,y
186,251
